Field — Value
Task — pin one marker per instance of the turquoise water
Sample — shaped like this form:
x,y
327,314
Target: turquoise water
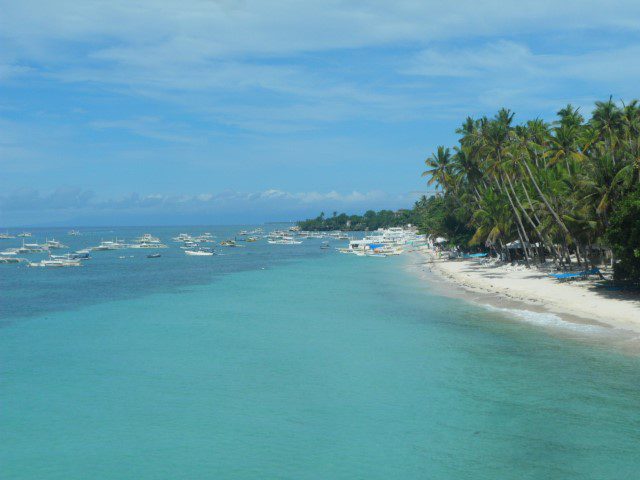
x,y
291,362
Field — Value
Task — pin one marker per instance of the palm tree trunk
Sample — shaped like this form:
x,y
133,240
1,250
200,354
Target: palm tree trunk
x,y
555,216
522,233
542,238
526,193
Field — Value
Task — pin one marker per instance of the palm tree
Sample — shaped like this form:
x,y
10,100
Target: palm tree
x,y
559,183
439,168
607,120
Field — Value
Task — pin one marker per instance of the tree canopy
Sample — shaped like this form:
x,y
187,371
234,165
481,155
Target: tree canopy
x,y
566,189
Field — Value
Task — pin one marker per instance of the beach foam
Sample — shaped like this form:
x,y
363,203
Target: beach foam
x,y
548,319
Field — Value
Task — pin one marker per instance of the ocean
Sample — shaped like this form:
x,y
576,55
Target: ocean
x,y
292,362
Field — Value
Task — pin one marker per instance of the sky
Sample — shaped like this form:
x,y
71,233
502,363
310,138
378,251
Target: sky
x,y
218,111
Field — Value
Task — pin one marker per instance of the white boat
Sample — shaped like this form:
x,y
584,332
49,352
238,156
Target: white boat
x,y
284,241
109,245
199,253
229,243
54,244
6,236
147,237
24,234
183,237
73,233
386,242
148,245
31,248
56,263
205,238
71,256
12,260
147,241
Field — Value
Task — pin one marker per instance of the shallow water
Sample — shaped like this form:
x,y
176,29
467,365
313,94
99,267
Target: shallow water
x,y
291,362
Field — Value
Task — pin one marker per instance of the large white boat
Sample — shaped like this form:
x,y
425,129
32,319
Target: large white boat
x,y
6,236
183,237
385,242
109,245
147,241
32,248
205,238
56,263
54,244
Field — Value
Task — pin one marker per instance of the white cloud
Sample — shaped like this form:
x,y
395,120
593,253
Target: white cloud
x,y
164,48
501,56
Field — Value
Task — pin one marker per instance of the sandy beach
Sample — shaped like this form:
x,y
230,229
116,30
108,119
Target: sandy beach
x,y
578,299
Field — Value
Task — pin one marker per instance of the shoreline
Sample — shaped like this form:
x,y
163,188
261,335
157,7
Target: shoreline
x,y
504,287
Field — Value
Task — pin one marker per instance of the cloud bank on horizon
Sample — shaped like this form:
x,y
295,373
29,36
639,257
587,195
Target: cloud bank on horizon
x,y
69,206
121,100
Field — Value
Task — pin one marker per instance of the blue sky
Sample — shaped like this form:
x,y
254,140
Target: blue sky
x,y
205,111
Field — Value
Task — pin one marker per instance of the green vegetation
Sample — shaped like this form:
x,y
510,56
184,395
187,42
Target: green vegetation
x,y
369,221
624,237
569,188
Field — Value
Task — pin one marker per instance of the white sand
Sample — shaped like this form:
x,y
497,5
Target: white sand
x,y
577,298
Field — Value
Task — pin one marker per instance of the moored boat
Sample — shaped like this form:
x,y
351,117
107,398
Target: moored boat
x,y
201,252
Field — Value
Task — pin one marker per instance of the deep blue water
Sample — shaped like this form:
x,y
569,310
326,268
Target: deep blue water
x,y
291,362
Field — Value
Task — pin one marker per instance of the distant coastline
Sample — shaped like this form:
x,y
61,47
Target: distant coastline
x,y
370,220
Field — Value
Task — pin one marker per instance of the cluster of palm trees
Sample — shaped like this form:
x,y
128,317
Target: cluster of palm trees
x,y
548,188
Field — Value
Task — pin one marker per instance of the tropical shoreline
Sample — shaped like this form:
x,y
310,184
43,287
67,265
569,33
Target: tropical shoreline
x,y
578,302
